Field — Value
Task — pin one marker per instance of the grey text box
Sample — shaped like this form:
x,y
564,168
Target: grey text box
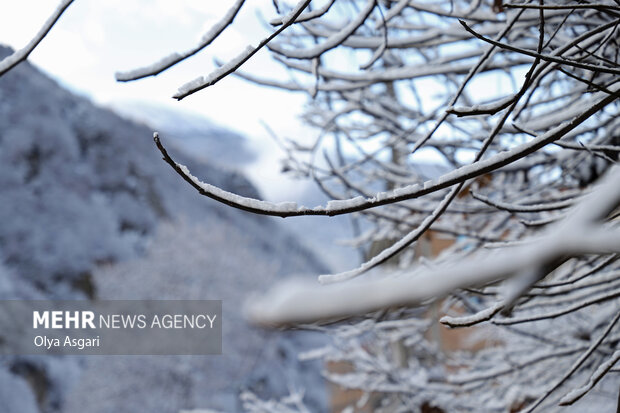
x,y
111,327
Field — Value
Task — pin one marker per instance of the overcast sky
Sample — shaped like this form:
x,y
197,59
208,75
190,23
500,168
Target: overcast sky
x,y
94,39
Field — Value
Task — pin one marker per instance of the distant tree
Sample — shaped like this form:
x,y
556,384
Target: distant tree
x,y
535,234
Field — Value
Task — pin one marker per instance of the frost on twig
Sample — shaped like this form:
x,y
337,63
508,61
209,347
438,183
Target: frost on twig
x,y
174,58
576,394
466,321
218,74
22,54
305,16
334,40
293,403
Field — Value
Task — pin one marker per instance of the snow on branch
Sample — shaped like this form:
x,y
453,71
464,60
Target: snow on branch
x,y
600,372
223,71
549,58
584,356
399,246
305,16
20,55
470,320
171,60
572,6
334,40
505,206
305,302
338,207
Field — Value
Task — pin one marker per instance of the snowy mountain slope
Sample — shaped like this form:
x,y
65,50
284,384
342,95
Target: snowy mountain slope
x,y
88,185
84,197
174,267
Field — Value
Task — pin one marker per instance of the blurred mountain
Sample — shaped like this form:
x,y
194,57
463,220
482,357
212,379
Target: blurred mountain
x,y
89,210
217,146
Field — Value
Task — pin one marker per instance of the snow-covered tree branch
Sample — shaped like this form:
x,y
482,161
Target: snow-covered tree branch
x,y
534,236
22,54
